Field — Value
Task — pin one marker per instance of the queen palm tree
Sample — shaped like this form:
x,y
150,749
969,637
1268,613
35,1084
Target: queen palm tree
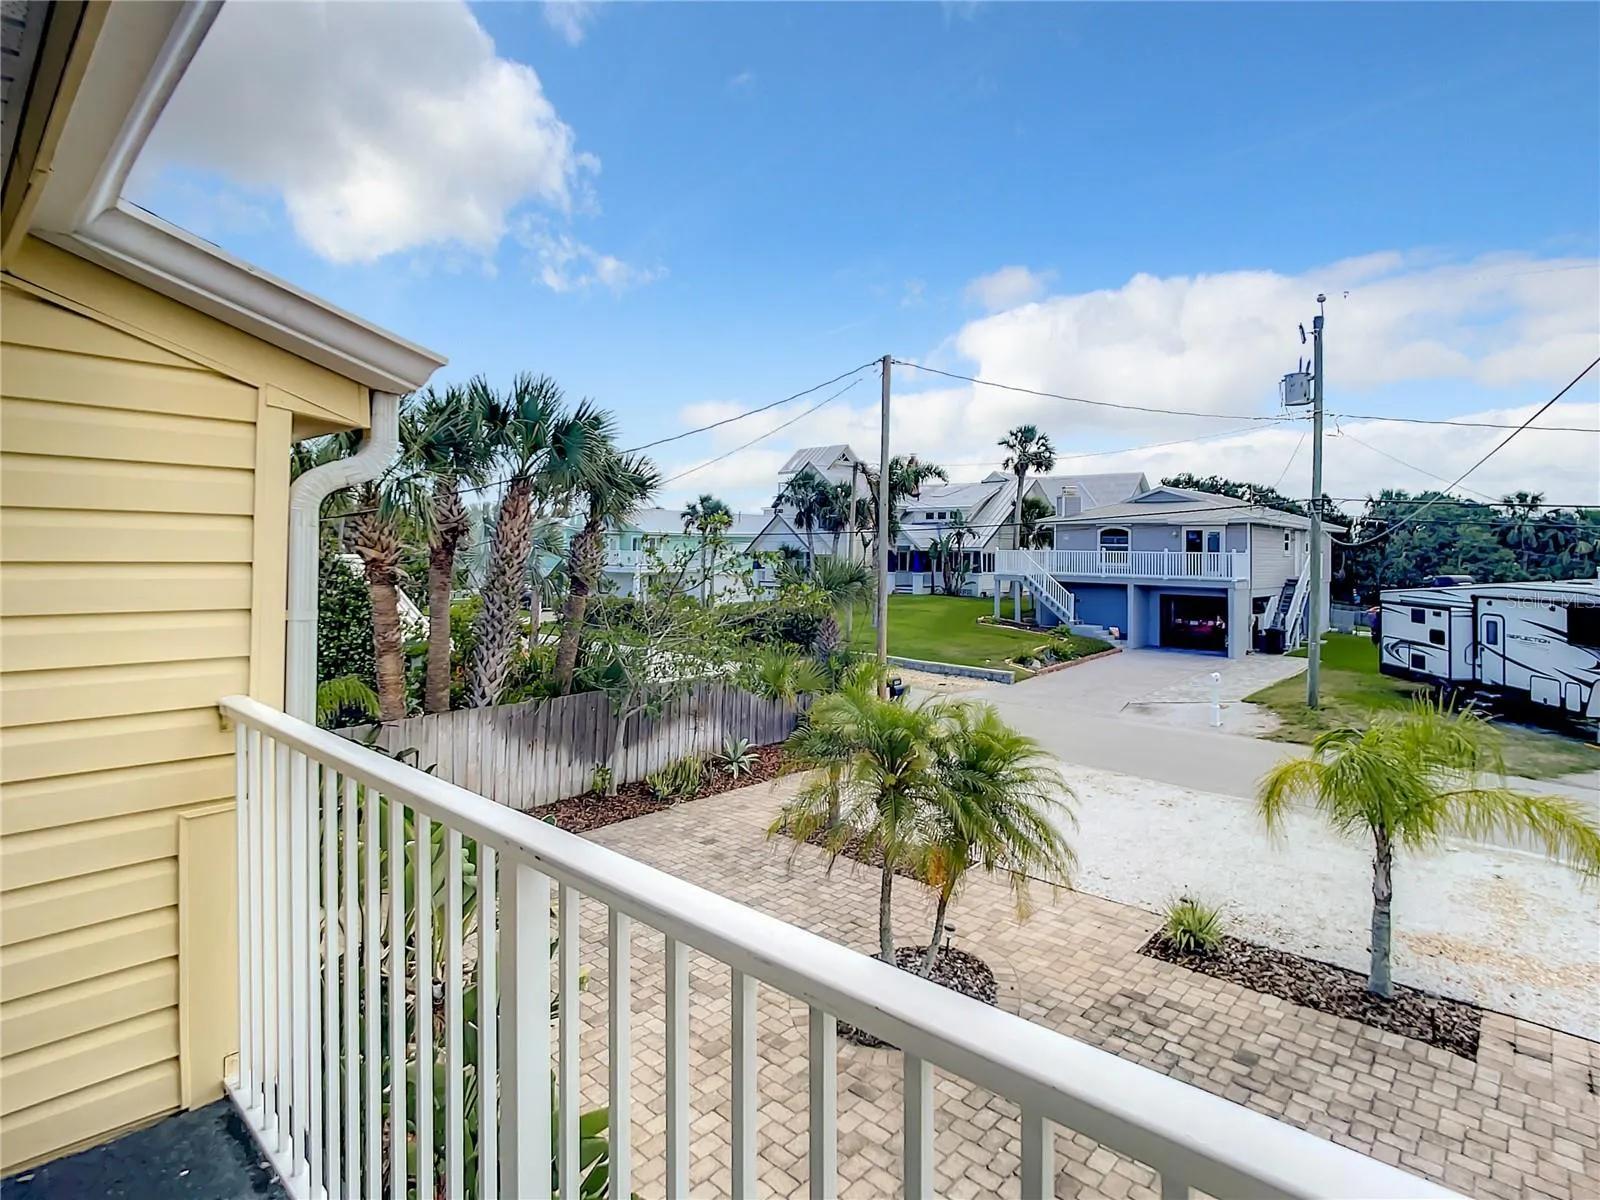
x,y
887,780
706,517
445,437
543,452
611,484
1000,808
1409,780
1026,450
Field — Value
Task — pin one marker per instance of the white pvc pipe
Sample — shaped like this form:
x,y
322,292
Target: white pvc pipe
x,y
305,509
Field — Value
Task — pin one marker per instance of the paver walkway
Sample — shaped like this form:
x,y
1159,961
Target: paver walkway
x,y
1521,1121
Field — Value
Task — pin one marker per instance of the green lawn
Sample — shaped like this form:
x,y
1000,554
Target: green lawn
x,y
946,629
1352,690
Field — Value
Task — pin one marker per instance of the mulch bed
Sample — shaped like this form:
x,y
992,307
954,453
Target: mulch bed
x,y
852,850
594,810
1448,1024
952,968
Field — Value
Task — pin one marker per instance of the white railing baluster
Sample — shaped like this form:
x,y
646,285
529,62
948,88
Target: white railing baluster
x,y
422,869
567,1093
241,859
1038,1156
331,940
620,1037
312,966
918,1129
372,996
351,945
824,1107
282,928
259,985
677,1080
455,1068
397,1000
745,1182
488,1026
525,1040
300,984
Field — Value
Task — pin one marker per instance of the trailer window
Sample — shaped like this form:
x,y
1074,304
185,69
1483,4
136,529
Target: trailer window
x,y
1419,616
1583,625
1419,663
1491,633
1436,636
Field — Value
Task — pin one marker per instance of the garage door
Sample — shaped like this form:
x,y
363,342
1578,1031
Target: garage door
x,y
1194,622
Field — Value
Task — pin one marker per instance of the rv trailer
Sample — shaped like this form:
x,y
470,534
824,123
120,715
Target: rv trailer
x,y
1538,643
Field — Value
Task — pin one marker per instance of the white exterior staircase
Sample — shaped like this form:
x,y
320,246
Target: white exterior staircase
x,y
1047,591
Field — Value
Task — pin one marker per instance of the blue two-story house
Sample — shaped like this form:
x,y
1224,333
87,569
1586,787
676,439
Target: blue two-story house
x,y
1173,568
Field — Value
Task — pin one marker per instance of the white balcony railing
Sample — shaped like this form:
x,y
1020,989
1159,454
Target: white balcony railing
x,y
1147,564
335,900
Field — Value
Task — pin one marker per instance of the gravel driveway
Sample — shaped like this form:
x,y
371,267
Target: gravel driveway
x,y
1503,928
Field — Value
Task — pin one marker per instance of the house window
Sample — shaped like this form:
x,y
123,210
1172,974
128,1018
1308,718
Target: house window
x,y
1419,616
1113,539
1288,542
1202,541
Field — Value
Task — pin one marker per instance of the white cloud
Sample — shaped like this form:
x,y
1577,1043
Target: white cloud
x,y
570,18
564,264
742,80
384,127
1501,333
1008,287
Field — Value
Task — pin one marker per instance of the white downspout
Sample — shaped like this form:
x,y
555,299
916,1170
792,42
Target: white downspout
x,y
305,508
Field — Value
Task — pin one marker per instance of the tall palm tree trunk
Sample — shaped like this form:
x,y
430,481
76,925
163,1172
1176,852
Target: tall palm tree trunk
x,y
934,939
375,542
1378,980
449,524
583,566
885,928
495,630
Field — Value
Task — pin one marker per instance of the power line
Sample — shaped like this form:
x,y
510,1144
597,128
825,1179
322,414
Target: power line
x,y
1010,387
1205,437
1293,454
766,435
1468,424
750,412
1500,445
1394,458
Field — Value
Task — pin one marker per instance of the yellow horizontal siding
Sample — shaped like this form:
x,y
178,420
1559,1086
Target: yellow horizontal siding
x,y
98,640
67,378
84,431
35,1076
65,1012
54,589
47,855
29,968
55,802
67,904
34,751
94,1112
29,321
78,693
38,481
57,535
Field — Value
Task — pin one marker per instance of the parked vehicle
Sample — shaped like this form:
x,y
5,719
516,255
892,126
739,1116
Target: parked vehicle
x,y
1537,643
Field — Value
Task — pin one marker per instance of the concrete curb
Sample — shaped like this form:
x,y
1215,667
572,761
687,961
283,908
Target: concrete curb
x,y
989,674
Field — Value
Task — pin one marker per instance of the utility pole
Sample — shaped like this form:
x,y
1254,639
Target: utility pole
x,y
1314,616
883,540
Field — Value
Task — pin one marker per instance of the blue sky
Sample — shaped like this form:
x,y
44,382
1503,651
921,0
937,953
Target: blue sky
x,y
699,208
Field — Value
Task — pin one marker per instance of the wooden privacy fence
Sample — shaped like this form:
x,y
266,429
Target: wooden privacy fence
x,y
534,753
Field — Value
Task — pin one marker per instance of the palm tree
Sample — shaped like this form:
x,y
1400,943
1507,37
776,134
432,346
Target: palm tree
x,y
1000,808
445,437
845,584
612,484
1026,450
1519,523
1409,780
780,674
888,778
805,495
908,474
374,534
1035,535
706,517
542,451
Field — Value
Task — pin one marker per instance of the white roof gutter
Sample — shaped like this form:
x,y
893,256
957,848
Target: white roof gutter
x,y
305,512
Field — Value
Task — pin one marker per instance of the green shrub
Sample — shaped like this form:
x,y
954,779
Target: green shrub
x,y
738,757
344,621
782,622
1192,926
678,780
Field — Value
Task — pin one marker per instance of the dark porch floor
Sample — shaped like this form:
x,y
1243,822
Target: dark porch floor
x,y
201,1155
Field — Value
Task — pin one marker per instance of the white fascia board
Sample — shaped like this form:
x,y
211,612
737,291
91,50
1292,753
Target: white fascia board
x,y
138,60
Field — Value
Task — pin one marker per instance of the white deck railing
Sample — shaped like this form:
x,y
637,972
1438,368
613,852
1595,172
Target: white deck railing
x,y
335,901
1149,564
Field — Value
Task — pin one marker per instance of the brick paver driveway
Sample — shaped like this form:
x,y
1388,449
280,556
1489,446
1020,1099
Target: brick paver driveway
x,y
1521,1121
